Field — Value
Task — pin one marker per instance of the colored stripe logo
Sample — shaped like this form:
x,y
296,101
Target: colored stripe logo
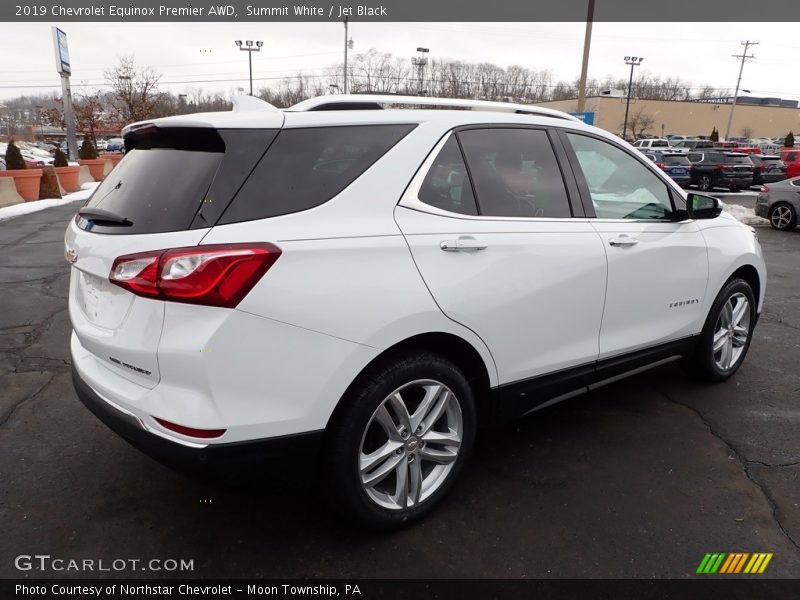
x,y
734,563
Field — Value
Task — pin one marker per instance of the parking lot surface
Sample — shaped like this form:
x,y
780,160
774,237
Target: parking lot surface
x,y
638,479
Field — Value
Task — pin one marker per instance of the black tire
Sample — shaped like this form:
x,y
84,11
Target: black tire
x,y
735,189
704,184
701,363
782,224
349,427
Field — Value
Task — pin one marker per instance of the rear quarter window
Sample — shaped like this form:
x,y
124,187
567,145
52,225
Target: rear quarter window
x,y
304,168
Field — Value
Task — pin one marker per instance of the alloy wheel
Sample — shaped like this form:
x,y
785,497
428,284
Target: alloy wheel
x,y
410,444
731,331
781,216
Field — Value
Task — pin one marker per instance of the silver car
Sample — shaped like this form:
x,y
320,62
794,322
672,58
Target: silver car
x,y
780,202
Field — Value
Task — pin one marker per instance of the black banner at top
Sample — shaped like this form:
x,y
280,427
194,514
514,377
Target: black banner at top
x,y
397,10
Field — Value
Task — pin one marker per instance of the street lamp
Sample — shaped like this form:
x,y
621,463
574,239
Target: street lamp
x,y
420,62
633,61
248,47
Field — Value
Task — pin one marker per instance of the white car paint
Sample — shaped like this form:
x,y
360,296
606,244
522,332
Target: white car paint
x,y
365,271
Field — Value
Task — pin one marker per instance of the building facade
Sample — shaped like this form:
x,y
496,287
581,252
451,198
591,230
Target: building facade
x,y
688,118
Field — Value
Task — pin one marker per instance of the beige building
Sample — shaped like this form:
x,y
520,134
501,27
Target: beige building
x,y
688,118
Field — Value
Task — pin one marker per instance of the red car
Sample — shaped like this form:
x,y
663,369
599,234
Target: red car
x,y
791,158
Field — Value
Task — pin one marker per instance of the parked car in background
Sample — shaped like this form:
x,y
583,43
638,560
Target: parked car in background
x,y
115,145
791,158
767,169
674,164
652,144
674,139
689,145
718,168
780,203
102,145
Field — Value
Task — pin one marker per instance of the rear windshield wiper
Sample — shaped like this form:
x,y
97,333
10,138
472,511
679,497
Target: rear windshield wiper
x,y
103,217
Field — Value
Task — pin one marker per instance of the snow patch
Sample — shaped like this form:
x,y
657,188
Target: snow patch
x,y
744,214
16,210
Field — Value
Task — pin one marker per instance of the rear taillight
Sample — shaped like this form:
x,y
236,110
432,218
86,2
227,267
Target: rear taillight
x,y
725,167
661,165
214,275
764,189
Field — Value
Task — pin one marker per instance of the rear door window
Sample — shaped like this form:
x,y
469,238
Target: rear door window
x,y
307,167
515,173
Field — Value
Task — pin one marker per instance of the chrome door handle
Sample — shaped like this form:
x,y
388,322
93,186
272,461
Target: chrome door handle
x,y
623,241
463,244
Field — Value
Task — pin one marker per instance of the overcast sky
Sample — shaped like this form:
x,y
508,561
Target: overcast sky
x,y
697,52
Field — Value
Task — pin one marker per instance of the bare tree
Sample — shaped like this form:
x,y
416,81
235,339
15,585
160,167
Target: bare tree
x,y
90,113
639,122
747,131
134,92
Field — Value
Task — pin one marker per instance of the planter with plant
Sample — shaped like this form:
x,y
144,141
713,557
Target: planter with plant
x,y
89,158
27,180
67,174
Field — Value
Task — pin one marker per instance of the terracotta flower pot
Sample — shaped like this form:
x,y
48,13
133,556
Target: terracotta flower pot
x,y
95,166
114,157
68,176
27,182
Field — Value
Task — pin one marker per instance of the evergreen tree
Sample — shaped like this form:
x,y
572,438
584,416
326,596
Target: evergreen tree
x,y
87,151
14,160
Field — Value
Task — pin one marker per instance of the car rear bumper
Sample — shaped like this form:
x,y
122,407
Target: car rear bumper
x,y
771,178
302,447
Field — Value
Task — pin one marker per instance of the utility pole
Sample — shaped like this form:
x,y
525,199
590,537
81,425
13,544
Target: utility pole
x,y
587,41
633,61
345,54
744,56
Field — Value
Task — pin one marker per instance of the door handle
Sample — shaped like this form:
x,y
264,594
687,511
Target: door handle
x,y
623,241
463,244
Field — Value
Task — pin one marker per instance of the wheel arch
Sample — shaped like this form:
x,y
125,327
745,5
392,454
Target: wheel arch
x,y
750,274
447,345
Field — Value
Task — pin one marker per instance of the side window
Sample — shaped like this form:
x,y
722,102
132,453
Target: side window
x,y
515,173
620,186
306,167
446,185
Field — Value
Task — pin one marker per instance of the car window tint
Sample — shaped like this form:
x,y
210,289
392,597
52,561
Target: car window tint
x,y
447,186
620,186
306,167
515,173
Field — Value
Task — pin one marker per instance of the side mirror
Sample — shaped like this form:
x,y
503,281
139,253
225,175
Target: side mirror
x,y
703,207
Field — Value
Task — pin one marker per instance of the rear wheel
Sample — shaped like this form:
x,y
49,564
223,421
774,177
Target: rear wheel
x,y
400,442
782,217
704,183
726,335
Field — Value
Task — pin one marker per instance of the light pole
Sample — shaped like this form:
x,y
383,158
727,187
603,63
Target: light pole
x,y
633,61
248,47
348,45
420,62
39,108
587,41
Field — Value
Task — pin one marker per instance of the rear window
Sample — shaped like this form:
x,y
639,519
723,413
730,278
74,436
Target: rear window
x,y
672,159
165,178
659,144
307,167
738,160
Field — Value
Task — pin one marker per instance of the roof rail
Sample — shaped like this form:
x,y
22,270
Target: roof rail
x,y
377,101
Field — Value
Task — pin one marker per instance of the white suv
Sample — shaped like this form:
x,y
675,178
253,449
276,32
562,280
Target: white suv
x,y
374,283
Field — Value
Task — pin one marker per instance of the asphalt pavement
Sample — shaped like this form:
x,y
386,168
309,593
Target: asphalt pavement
x,y
639,479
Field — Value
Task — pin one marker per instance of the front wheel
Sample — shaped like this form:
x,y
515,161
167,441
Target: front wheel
x,y
726,335
705,184
782,217
400,441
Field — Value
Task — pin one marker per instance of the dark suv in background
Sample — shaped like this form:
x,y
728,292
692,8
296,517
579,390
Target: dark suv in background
x,y
674,164
767,169
717,168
